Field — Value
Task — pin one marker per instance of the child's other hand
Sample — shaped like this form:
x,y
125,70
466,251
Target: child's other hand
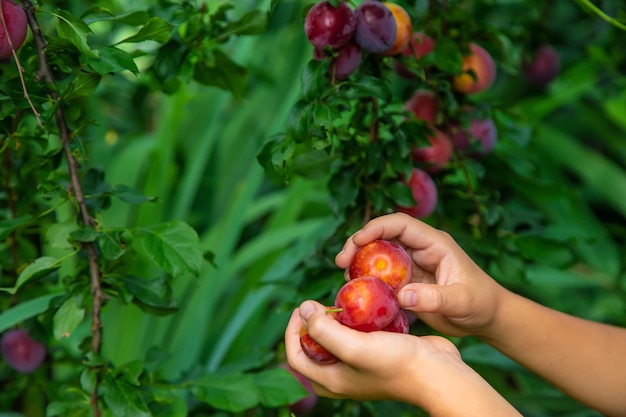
x,y
448,290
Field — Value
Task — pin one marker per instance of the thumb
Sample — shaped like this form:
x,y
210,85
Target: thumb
x,y
451,300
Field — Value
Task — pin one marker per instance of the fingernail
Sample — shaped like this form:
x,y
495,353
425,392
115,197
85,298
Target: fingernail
x,y
408,298
306,310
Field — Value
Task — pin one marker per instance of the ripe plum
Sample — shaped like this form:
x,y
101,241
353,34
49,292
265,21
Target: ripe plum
x,y
424,192
367,304
385,260
329,27
376,28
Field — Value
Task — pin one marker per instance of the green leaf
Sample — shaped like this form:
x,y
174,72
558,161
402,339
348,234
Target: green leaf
x,y
155,293
100,14
130,195
233,393
39,267
312,164
83,85
58,234
74,30
8,226
124,399
300,118
25,310
446,56
251,23
278,387
313,79
173,246
110,246
84,234
219,70
67,318
322,114
401,194
369,86
155,29
132,371
113,60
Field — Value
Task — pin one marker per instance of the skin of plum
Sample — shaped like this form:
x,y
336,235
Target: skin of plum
x,y
436,156
400,324
543,67
483,71
385,260
481,130
376,28
314,350
21,352
345,61
424,192
329,27
366,304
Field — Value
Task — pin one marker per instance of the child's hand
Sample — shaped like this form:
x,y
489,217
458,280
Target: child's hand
x,y
448,291
371,366
424,371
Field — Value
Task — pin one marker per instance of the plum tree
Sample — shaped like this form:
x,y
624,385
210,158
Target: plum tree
x,y
21,352
376,27
16,28
479,71
424,192
329,27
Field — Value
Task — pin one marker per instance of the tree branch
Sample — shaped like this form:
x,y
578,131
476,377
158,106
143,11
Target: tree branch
x,y
76,187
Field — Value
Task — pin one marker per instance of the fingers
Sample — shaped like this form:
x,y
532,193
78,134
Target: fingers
x,y
400,227
451,300
350,346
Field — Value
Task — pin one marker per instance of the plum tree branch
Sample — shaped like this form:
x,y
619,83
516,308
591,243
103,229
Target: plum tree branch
x,y
76,187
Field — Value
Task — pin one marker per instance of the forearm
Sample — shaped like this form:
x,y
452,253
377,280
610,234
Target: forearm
x,y
464,393
581,357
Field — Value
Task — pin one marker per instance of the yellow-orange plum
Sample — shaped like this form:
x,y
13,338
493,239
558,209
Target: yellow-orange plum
x,y
404,29
479,71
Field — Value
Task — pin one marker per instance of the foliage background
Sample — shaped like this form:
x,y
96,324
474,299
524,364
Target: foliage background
x,y
188,140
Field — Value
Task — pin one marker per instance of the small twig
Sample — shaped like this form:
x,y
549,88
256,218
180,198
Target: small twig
x,y
600,13
74,166
374,121
20,69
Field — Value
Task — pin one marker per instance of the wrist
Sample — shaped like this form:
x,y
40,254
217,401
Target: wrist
x,y
465,393
502,298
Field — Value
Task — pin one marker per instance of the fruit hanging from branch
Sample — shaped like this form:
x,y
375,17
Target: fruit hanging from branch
x,y
13,29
